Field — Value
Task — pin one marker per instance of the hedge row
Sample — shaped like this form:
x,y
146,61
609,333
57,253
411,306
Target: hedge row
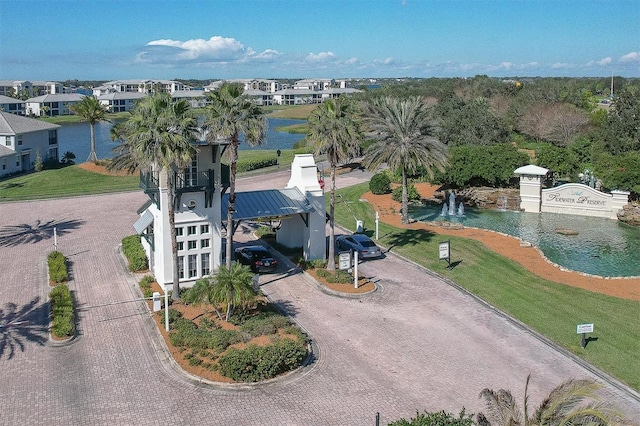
x,y
62,311
57,267
133,251
247,166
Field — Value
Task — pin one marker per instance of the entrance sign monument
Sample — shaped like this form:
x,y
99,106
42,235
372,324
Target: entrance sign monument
x,y
571,198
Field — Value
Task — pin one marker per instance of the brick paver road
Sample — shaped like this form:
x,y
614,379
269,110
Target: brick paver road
x,y
416,343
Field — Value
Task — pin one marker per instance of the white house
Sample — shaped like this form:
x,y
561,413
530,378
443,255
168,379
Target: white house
x,y
12,105
15,87
52,105
120,101
140,86
22,139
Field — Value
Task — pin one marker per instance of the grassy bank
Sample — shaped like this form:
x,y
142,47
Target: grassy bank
x,y
551,309
65,182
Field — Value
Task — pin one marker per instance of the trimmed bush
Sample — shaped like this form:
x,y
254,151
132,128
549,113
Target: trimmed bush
x,y
62,311
145,285
187,334
255,363
264,323
57,267
336,277
412,194
380,184
134,252
247,166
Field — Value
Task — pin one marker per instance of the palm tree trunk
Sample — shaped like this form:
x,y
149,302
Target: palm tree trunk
x,y
92,155
232,199
175,294
331,261
405,197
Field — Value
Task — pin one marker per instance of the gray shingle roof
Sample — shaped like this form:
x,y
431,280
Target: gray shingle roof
x,y
11,124
10,100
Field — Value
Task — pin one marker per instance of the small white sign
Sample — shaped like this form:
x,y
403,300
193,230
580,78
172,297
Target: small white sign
x,y
585,328
344,260
443,250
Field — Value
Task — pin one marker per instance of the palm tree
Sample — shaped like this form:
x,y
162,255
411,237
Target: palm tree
x,y
91,110
233,287
334,130
233,117
404,139
158,134
574,402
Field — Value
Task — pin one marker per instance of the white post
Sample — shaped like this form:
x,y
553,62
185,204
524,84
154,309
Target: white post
x,y
55,239
166,309
355,269
377,220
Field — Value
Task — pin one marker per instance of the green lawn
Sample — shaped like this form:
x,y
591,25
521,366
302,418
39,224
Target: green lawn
x,y
551,309
68,181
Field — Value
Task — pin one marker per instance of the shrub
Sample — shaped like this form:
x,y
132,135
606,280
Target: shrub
x,y
336,277
134,252
62,311
264,323
255,363
412,194
145,285
187,334
440,418
380,184
57,267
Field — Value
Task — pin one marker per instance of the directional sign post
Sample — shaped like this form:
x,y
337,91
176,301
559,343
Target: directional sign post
x,y
584,329
444,251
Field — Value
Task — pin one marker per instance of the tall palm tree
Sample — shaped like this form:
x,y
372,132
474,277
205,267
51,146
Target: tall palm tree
x,y
233,117
158,134
334,130
232,286
91,110
574,402
404,139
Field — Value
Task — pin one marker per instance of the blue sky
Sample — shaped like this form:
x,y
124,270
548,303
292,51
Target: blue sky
x,y
164,39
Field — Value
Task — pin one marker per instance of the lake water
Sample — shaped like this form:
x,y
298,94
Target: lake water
x,y
76,137
603,247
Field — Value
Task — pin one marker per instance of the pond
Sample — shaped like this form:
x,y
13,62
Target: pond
x,y
603,247
76,137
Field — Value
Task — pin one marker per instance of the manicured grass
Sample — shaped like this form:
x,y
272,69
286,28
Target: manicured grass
x,y
63,119
68,181
296,112
294,128
551,309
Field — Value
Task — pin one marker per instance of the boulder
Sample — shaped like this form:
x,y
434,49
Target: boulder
x,y
483,197
630,214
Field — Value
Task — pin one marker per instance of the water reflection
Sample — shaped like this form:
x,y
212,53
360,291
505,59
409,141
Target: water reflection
x,y
76,137
602,246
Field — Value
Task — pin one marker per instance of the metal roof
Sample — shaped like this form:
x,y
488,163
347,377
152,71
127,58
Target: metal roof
x,y
270,203
143,222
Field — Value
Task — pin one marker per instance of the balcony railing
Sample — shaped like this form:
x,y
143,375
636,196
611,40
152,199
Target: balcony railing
x,y
185,182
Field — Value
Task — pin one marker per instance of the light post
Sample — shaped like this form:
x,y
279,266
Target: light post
x,y
278,152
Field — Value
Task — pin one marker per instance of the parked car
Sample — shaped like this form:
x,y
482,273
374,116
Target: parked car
x,y
366,248
258,258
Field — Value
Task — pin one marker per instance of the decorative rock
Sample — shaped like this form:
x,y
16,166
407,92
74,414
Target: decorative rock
x,y
630,214
565,231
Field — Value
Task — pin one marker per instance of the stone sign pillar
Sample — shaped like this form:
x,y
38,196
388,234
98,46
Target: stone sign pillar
x,y
531,179
619,200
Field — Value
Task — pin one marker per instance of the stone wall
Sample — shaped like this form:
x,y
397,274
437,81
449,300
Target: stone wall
x,y
630,214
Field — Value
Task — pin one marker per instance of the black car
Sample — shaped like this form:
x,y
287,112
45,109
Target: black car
x,y
257,258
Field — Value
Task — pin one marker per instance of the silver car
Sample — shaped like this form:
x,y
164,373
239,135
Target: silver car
x,y
366,248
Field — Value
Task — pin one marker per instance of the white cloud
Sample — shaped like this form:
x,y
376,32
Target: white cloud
x,y
352,61
631,57
321,57
605,61
506,65
558,65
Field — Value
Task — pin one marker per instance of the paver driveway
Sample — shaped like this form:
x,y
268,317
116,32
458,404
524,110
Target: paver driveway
x,y
417,343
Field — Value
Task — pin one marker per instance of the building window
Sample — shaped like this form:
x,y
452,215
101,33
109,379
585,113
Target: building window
x,y
19,138
191,230
7,140
193,265
180,246
204,260
204,229
53,137
192,244
181,267
179,232
204,243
